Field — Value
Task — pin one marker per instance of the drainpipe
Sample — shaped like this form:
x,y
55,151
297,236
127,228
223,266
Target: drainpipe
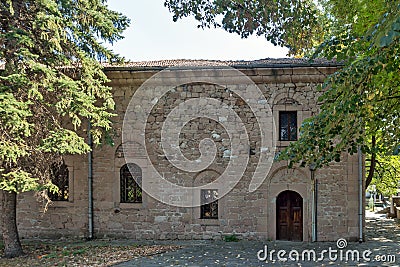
x,y
314,203
316,208
90,184
360,195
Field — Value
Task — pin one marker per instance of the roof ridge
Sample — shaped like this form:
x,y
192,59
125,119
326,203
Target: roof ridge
x,y
165,63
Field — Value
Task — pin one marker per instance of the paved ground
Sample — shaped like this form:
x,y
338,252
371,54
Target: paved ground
x,y
381,249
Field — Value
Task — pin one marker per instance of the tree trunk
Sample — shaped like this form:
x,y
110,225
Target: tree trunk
x,y
12,245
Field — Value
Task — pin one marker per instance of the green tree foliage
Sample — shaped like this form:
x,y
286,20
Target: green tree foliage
x,y
287,23
51,85
360,103
387,175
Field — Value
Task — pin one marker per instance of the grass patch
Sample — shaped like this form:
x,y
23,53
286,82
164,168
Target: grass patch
x,y
66,252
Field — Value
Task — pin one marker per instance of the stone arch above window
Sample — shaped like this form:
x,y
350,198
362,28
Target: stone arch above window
x,y
59,175
205,177
132,150
130,183
288,101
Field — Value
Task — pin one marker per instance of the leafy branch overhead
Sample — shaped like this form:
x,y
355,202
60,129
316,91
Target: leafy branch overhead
x,y
284,23
361,100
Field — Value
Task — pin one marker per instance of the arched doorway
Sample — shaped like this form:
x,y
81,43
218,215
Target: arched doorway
x,y
289,217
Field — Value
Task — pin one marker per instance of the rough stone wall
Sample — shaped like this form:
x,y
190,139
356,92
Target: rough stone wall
x,y
249,215
63,218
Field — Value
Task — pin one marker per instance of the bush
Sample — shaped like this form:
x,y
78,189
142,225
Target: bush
x,y
231,238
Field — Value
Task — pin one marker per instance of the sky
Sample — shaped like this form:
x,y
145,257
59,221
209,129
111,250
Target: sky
x,y
153,35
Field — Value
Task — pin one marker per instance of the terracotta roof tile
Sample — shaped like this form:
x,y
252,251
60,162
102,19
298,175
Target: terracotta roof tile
x,y
214,63
268,62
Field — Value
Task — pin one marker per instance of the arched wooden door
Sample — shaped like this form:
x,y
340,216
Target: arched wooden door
x,y
289,219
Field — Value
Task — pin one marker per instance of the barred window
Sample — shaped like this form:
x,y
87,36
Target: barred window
x,y
131,179
59,177
209,204
288,125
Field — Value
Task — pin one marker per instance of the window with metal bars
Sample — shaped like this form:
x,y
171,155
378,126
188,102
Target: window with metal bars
x,y
288,125
130,182
209,204
59,177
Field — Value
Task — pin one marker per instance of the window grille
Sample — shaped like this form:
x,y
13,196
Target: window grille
x,y
287,125
209,206
130,182
60,177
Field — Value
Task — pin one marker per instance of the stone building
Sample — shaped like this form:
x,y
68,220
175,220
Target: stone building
x,y
280,208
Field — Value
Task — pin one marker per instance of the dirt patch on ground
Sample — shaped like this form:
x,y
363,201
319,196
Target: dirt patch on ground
x,y
79,253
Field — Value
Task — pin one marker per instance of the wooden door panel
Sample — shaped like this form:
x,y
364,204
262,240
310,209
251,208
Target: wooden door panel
x,y
283,216
283,233
297,225
283,223
289,216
